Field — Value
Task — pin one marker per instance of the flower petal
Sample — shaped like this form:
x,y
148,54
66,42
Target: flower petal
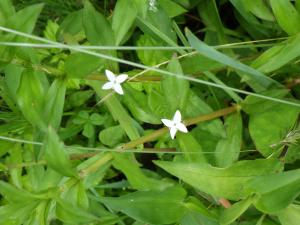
x,y
110,75
177,117
121,78
118,89
181,127
173,131
168,123
107,85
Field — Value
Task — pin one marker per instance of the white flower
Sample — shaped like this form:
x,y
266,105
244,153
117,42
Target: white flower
x,y
152,5
114,82
175,124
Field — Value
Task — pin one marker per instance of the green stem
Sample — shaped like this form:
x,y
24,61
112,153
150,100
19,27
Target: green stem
x,y
94,167
154,135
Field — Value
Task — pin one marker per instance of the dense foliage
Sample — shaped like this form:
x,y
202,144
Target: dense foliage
x,y
74,153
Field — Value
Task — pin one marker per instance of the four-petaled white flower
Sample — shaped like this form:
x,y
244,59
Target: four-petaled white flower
x,y
175,124
114,82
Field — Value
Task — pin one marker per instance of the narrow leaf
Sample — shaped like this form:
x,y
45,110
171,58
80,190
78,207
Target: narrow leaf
x,y
123,18
282,8
252,75
56,156
175,90
228,149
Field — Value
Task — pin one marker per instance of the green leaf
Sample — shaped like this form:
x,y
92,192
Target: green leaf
x,y
118,112
249,22
151,57
13,194
188,143
88,130
199,63
195,107
266,134
159,26
276,191
282,8
209,179
12,79
290,215
79,65
259,9
229,215
168,205
76,194
6,10
54,103
78,98
56,156
16,157
227,151
209,14
198,214
175,90
68,213
142,7
112,136
172,8
136,101
278,56
92,179
40,214
13,214
81,118
98,30
72,24
97,119
25,19
30,98
253,105
254,77
123,19
155,99
137,179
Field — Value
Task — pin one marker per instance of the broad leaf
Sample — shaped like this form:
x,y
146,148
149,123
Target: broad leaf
x,y
267,136
168,205
276,191
209,179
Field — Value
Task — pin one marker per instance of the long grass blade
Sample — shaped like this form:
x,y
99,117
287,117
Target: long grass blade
x,y
187,77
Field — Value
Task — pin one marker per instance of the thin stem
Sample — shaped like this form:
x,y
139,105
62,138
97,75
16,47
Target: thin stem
x,y
138,65
115,59
132,144
145,150
154,135
126,48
